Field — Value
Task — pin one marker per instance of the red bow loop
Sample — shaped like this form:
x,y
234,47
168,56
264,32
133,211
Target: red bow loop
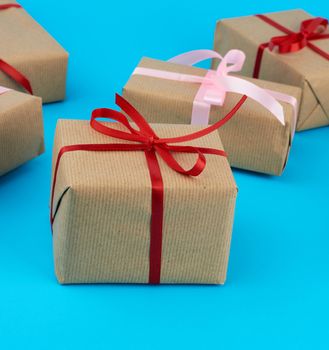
x,y
314,26
110,114
135,116
165,152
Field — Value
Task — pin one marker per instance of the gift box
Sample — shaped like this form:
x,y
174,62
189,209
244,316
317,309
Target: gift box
x,y
21,129
253,139
290,47
30,59
126,212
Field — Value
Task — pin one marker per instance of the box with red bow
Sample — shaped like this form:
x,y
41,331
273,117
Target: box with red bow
x,y
140,203
30,59
21,129
290,47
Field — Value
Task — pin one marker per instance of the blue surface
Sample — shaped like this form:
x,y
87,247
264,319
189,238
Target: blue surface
x,y
277,290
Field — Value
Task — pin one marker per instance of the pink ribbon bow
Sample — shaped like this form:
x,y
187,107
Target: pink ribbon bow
x,y
216,83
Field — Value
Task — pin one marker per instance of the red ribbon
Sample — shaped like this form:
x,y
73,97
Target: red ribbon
x,y
8,6
292,42
10,70
148,142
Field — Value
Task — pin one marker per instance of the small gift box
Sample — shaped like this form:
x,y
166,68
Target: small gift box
x,y
21,129
258,137
124,210
290,47
30,59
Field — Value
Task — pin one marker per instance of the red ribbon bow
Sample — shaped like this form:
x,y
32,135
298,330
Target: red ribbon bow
x,y
8,69
311,29
152,145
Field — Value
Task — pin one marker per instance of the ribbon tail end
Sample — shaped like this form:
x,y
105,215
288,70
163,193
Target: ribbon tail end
x,y
280,117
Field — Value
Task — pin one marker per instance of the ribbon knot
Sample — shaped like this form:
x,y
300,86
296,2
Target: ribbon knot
x,y
152,140
311,29
215,81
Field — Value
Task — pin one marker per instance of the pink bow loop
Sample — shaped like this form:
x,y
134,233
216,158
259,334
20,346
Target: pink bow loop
x,y
233,61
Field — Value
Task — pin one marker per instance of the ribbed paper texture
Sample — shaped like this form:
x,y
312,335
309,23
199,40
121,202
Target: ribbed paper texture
x,y
26,46
101,231
21,129
304,68
254,139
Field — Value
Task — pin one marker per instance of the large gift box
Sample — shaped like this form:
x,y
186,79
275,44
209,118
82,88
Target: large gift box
x,y
290,47
21,129
168,92
30,59
126,212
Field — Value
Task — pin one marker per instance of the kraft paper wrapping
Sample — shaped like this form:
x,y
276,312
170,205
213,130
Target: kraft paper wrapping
x,y
304,68
253,139
26,46
21,129
101,232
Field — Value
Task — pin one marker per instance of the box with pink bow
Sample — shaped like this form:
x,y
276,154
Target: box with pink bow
x,y
257,138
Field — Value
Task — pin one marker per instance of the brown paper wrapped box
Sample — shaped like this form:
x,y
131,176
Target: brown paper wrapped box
x,y
305,68
26,46
102,201
253,138
21,129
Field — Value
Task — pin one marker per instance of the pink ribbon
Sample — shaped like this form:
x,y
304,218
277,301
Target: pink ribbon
x,y
3,90
216,83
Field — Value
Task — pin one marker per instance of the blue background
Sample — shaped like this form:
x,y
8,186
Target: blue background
x,y
277,292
